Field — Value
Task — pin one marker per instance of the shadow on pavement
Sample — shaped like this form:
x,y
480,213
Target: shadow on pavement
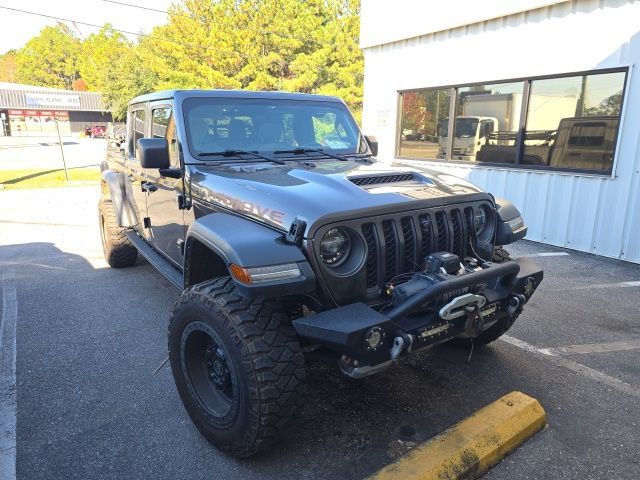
x,y
90,339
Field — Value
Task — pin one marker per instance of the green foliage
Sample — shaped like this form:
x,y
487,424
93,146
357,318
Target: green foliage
x,y
609,106
8,67
293,45
98,56
50,59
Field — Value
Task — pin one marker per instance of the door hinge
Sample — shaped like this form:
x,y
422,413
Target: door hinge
x,y
146,221
184,202
296,232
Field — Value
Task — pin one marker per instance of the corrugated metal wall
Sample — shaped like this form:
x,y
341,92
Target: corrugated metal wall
x,y
15,98
589,213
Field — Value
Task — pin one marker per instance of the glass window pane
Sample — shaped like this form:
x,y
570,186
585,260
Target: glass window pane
x,y
423,115
160,120
487,121
573,122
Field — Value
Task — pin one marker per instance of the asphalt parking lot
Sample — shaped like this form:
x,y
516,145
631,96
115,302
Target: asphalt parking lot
x,y
90,338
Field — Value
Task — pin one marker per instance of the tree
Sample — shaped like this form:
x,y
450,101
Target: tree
x,y
99,55
49,59
129,77
296,45
8,67
609,106
414,111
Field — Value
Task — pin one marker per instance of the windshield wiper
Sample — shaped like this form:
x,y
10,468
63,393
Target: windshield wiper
x,y
239,153
299,151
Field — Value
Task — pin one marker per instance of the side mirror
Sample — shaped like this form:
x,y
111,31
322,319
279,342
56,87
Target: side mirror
x,y
373,144
153,153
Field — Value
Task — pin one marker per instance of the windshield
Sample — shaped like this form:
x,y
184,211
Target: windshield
x,y
465,127
269,125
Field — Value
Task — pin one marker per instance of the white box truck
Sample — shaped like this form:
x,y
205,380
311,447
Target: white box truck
x,y
484,113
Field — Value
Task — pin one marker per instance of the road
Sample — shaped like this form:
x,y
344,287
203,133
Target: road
x,y
91,405
24,153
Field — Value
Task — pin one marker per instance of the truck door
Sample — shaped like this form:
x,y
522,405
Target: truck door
x,y
135,173
167,220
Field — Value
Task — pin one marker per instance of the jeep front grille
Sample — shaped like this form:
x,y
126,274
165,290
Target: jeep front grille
x,y
400,243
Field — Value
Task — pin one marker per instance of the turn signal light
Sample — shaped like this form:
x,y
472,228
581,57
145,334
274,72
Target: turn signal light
x,y
240,273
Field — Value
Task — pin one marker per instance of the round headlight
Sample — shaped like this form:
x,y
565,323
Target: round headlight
x,y
335,247
480,220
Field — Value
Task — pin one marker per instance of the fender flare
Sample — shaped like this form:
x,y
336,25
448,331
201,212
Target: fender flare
x,y
248,244
510,226
124,209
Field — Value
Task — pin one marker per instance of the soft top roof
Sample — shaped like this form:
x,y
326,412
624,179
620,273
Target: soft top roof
x,y
182,94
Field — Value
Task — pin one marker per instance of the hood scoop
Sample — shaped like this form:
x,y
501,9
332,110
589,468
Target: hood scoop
x,y
380,180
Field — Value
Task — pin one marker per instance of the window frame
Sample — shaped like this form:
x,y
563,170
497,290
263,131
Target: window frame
x,y
131,147
526,94
175,162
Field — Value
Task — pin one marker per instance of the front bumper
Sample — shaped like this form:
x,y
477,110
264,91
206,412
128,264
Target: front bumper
x,y
422,320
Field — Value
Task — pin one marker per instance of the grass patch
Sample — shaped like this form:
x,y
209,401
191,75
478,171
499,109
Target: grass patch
x,y
27,179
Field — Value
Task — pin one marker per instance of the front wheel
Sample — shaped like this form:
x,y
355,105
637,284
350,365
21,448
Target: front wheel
x,y
237,366
118,250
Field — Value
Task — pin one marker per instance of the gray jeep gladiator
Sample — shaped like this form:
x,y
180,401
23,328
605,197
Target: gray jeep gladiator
x,y
290,241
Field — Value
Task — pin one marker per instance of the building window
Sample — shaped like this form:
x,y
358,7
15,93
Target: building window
x,y
567,122
572,122
423,114
485,115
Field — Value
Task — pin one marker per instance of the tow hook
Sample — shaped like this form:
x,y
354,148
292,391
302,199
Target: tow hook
x,y
351,367
398,346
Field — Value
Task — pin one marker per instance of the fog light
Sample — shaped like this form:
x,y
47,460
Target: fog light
x,y
374,337
530,286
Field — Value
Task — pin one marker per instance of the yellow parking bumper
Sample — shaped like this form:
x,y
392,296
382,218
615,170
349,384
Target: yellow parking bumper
x,y
473,446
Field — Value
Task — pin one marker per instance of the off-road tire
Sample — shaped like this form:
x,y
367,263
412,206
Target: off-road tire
x,y
499,328
500,254
261,348
118,251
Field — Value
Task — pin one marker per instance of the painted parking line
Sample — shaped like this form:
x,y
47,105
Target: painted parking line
x,y
583,370
8,377
630,284
547,254
593,348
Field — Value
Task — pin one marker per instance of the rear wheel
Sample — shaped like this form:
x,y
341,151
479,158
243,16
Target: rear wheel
x,y
500,255
237,366
118,251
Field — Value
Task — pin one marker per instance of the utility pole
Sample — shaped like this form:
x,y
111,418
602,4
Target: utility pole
x,y
64,163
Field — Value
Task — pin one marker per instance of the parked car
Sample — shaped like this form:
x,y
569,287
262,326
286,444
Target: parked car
x,y
95,131
287,238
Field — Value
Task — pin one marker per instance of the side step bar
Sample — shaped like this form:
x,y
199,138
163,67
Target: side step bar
x,y
154,258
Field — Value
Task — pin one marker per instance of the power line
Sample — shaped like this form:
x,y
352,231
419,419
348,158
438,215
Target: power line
x,y
146,8
69,20
140,35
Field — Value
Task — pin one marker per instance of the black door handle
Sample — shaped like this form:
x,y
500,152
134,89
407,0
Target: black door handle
x,y
148,187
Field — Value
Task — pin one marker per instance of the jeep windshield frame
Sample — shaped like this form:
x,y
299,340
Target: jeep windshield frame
x,y
269,126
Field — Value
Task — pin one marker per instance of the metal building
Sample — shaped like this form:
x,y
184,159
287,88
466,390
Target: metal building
x,y
26,110
535,101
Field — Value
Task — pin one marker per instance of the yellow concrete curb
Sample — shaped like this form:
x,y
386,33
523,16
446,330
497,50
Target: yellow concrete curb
x,y
473,446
